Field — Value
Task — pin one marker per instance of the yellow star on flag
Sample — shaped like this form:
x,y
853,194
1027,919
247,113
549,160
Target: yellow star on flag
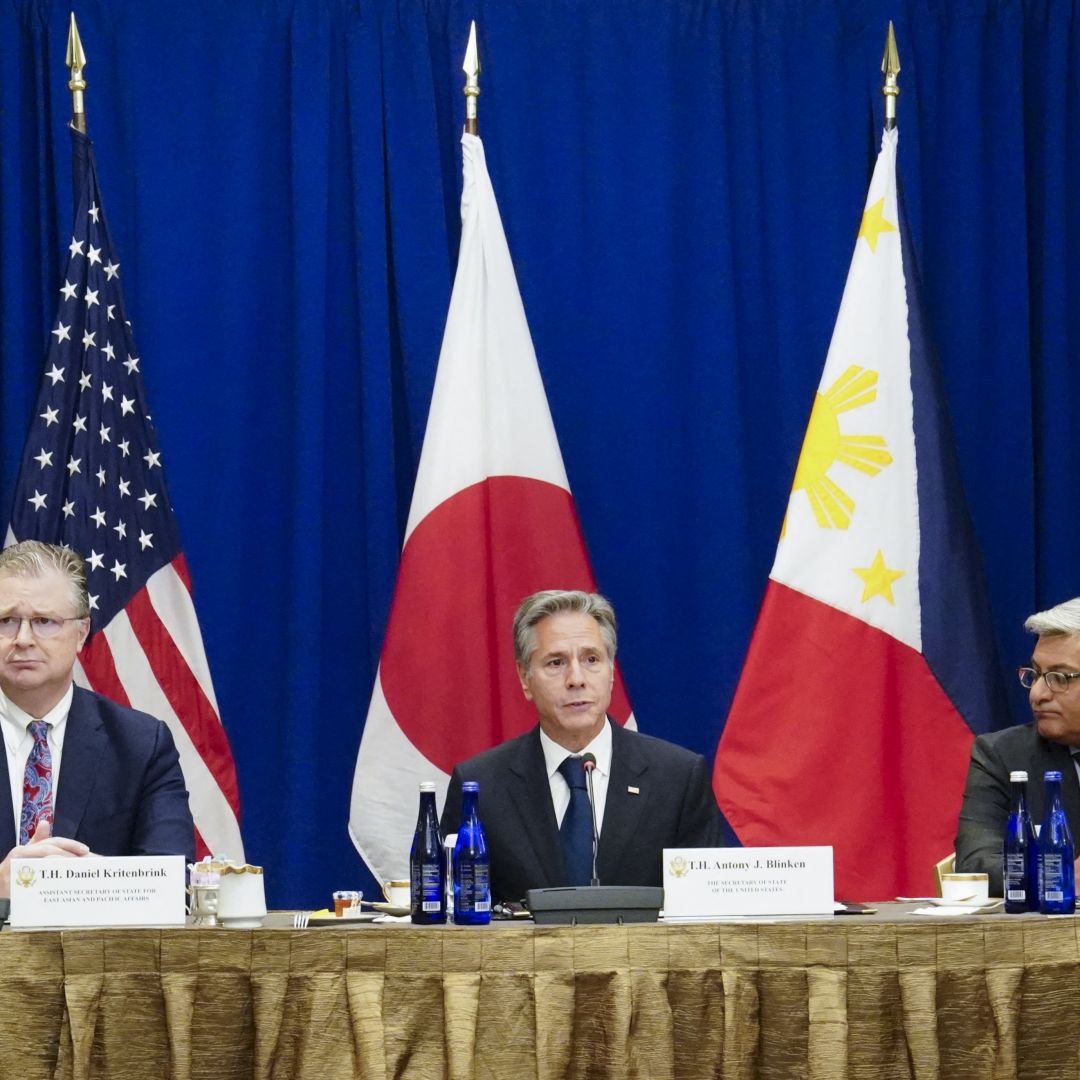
x,y
874,224
877,579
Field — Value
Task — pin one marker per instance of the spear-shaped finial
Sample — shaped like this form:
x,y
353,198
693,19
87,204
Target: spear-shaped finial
x,y
471,67
890,68
76,61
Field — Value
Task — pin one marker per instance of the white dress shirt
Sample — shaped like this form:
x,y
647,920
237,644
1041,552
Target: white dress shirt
x,y
19,742
554,755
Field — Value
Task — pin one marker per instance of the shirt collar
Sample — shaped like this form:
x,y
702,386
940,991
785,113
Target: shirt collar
x,y
600,748
17,721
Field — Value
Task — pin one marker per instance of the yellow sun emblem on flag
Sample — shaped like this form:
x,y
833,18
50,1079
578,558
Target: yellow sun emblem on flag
x,y
825,444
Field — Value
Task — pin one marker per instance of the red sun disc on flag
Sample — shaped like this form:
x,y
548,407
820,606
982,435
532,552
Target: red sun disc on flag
x,y
448,661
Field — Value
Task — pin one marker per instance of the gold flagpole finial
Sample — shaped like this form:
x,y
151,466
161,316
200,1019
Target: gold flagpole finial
x,y
76,61
471,67
890,68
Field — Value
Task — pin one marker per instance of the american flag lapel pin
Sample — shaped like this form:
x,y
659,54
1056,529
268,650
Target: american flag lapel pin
x,y
633,790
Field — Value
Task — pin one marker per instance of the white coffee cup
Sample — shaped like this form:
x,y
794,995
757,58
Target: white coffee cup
x,y
242,899
397,893
965,888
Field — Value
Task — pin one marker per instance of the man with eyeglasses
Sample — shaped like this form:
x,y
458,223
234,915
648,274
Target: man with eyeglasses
x,y
120,790
1050,741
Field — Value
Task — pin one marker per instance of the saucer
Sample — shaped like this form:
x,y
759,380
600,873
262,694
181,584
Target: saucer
x,y
390,909
975,905
242,922
353,920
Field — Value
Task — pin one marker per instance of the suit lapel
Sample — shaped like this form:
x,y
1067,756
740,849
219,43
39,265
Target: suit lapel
x,y
9,834
1070,790
530,793
1048,756
623,808
83,744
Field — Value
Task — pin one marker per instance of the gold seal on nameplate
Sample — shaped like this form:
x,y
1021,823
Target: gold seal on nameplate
x,y
26,876
679,866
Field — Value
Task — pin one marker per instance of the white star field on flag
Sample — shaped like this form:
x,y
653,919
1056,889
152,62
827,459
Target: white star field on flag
x,y
85,470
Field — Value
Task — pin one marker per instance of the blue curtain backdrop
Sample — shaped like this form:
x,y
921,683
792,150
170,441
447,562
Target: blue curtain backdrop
x,y
681,183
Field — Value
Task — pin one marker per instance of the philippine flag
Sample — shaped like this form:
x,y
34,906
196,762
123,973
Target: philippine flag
x,y
872,662
492,520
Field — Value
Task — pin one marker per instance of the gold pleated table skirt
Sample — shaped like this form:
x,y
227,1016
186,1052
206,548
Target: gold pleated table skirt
x,y
877,997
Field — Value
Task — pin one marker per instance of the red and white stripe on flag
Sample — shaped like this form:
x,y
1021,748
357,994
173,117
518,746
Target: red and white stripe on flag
x,y
839,732
151,657
492,520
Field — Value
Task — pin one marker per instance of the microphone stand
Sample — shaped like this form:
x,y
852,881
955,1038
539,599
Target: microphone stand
x,y
590,768
595,903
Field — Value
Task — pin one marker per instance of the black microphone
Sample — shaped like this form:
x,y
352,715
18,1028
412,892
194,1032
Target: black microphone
x,y
588,763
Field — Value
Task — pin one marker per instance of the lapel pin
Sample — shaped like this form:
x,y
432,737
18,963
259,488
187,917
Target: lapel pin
x,y
634,790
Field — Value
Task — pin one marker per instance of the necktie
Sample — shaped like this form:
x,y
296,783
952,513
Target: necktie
x,y
576,830
37,783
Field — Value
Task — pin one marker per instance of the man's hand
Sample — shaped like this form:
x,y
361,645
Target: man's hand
x,y
42,845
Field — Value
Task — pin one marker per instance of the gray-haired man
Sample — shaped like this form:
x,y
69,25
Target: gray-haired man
x,y
650,794
1052,680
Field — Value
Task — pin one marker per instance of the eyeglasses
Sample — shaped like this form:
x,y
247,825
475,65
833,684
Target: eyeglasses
x,y
1058,681
41,626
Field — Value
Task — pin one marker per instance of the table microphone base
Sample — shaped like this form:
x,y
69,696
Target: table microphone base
x,y
580,904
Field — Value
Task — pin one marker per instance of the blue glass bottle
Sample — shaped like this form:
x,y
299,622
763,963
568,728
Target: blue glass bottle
x,y
472,881
1020,866
1057,887
427,863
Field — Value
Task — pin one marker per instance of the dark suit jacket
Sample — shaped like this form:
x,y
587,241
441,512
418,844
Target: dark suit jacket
x,y
121,790
985,809
675,807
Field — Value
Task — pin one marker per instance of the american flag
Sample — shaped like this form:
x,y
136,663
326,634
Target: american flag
x,y
92,478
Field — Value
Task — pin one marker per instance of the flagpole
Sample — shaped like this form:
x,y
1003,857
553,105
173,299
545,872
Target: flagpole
x,y
890,68
76,61
471,67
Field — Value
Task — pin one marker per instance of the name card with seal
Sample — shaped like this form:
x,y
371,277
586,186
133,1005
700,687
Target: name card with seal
x,y
713,882
136,890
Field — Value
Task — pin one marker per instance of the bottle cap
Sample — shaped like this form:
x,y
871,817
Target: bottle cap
x,y
1018,775
470,785
427,785
1052,774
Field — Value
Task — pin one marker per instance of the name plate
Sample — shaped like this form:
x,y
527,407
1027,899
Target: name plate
x,y
711,882
137,890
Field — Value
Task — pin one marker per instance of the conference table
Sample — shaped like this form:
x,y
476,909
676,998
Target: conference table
x,y
891,994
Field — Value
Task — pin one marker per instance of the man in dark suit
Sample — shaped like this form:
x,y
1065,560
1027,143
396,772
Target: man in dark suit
x,y
86,776
650,794
1048,742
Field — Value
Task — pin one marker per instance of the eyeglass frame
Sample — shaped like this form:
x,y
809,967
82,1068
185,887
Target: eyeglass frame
x,y
1052,677
34,630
